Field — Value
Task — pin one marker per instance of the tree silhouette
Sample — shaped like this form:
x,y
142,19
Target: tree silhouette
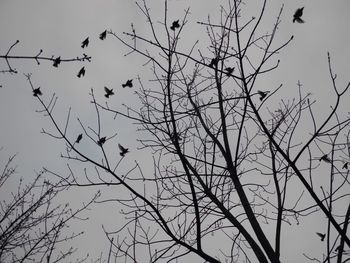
x,y
228,165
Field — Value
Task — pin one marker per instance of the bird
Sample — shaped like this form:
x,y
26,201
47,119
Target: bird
x,y
101,141
123,150
325,158
128,83
85,43
103,35
109,92
57,61
345,166
81,72
297,15
229,70
322,236
80,136
214,62
37,92
175,25
262,94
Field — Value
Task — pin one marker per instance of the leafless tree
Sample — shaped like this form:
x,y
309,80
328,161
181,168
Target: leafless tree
x,y
232,164
33,221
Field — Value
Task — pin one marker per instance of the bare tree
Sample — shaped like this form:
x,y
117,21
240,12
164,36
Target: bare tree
x,y
230,169
33,222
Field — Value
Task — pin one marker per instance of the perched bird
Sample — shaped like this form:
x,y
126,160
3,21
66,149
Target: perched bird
x,y
175,25
229,70
345,166
81,72
214,62
101,141
123,150
80,136
262,94
109,92
297,15
128,83
37,92
103,35
57,61
325,158
322,236
85,43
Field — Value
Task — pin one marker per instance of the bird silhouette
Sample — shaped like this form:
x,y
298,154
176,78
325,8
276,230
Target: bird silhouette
x,y
109,92
175,25
322,236
80,136
262,94
57,61
37,92
128,83
229,70
85,43
123,150
101,141
214,62
325,158
103,35
345,166
81,72
297,15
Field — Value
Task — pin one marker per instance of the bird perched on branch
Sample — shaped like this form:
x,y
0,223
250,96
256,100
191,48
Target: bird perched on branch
x,y
123,150
103,35
322,236
128,83
262,94
109,92
297,15
325,158
229,70
175,25
37,92
85,43
101,141
214,62
56,62
81,72
345,166
80,136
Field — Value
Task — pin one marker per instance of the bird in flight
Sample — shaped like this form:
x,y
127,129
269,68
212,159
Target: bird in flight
x,y
128,83
175,25
229,70
297,15
262,94
123,150
109,92
85,43
325,158
81,72
37,92
322,236
80,136
57,61
103,35
101,141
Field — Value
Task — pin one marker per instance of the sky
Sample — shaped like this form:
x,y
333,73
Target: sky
x,y
58,27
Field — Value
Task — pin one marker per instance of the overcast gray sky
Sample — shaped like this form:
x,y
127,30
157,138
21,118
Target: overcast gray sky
x,y
58,27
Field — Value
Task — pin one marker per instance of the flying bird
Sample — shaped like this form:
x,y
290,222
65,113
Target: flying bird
x,y
322,236
175,25
128,83
101,141
262,94
85,43
214,62
37,92
229,70
57,61
81,72
109,92
297,15
103,35
80,136
123,150
325,158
